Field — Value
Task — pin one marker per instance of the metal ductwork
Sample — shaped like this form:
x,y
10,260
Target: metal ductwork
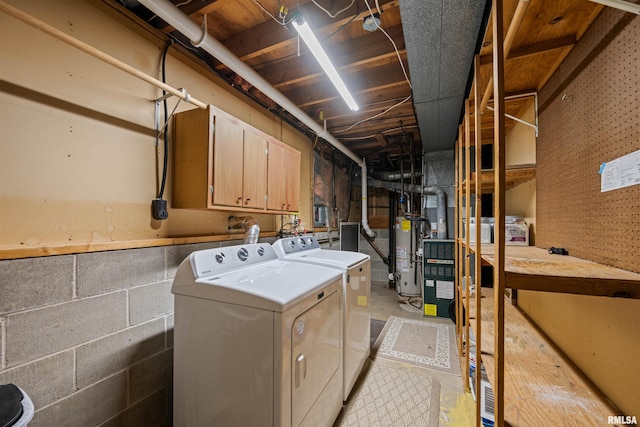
x,y
200,38
395,176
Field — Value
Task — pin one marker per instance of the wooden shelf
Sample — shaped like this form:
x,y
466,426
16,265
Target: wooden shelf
x,y
532,268
514,176
541,385
78,248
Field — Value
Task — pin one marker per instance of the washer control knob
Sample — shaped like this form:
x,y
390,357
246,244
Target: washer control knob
x,y
243,254
301,242
261,251
292,243
219,258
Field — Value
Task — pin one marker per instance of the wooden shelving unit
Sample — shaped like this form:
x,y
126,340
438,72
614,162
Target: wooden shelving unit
x,y
514,176
540,383
531,268
533,382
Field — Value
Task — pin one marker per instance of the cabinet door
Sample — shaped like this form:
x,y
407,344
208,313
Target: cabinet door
x,y
293,180
255,170
227,161
277,166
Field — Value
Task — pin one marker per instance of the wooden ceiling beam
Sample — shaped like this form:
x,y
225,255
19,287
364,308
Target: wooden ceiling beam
x,y
357,53
262,38
399,113
381,140
369,81
370,104
194,10
536,48
388,126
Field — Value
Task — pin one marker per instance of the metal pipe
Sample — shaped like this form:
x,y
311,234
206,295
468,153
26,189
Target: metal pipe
x,y
365,214
411,160
393,210
423,198
393,176
376,248
165,10
62,36
402,197
434,190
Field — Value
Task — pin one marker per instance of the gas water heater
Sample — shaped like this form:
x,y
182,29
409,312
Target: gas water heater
x,y
407,280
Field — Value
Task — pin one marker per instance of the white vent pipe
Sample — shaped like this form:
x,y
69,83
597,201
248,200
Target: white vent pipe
x,y
199,37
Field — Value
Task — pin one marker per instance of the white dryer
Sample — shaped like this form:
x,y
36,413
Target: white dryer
x,y
257,340
356,280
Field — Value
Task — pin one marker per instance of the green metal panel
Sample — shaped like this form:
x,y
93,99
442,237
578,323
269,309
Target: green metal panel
x,y
439,276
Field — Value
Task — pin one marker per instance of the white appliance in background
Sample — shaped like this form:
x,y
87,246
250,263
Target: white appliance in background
x,y
356,281
257,340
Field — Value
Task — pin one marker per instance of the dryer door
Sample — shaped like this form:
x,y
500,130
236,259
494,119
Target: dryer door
x,y
315,354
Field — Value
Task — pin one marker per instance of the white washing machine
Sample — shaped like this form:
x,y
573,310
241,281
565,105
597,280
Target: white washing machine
x,y
257,340
355,268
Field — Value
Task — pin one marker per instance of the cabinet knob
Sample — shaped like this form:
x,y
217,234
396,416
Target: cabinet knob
x,y
239,200
246,200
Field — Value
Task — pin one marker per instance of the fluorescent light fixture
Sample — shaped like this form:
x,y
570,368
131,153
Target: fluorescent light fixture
x,y
314,46
620,4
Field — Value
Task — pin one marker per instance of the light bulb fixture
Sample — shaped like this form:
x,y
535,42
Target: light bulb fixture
x,y
318,52
371,22
620,4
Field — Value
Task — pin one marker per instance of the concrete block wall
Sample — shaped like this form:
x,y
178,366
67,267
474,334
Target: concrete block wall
x,y
89,337
379,270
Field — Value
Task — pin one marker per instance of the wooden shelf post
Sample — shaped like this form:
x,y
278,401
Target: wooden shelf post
x,y
499,209
478,265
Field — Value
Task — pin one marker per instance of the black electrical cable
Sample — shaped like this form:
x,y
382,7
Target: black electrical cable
x,y
166,134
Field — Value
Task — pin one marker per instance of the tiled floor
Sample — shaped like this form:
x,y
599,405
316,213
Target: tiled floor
x,y
457,408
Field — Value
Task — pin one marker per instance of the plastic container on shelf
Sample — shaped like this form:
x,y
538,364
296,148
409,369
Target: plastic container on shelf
x,y
516,231
486,230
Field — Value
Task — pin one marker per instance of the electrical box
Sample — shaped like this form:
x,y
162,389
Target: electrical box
x,y
439,276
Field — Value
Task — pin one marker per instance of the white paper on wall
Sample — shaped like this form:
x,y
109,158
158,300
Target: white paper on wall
x,y
621,172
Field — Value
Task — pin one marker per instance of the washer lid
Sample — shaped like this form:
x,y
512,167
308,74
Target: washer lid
x,y
307,248
330,257
273,285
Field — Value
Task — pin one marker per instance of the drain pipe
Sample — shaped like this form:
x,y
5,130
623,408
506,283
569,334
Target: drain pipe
x,y
435,190
199,37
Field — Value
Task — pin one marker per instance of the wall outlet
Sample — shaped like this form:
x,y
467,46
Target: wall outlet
x,y
159,209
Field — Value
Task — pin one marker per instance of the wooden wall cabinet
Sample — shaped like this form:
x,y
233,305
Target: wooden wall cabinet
x,y
283,177
223,163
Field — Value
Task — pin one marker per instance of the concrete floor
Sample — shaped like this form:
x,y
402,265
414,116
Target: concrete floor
x,y
457,407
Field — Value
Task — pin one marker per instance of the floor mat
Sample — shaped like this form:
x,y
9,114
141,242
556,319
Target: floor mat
x,y
426,343
389,396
